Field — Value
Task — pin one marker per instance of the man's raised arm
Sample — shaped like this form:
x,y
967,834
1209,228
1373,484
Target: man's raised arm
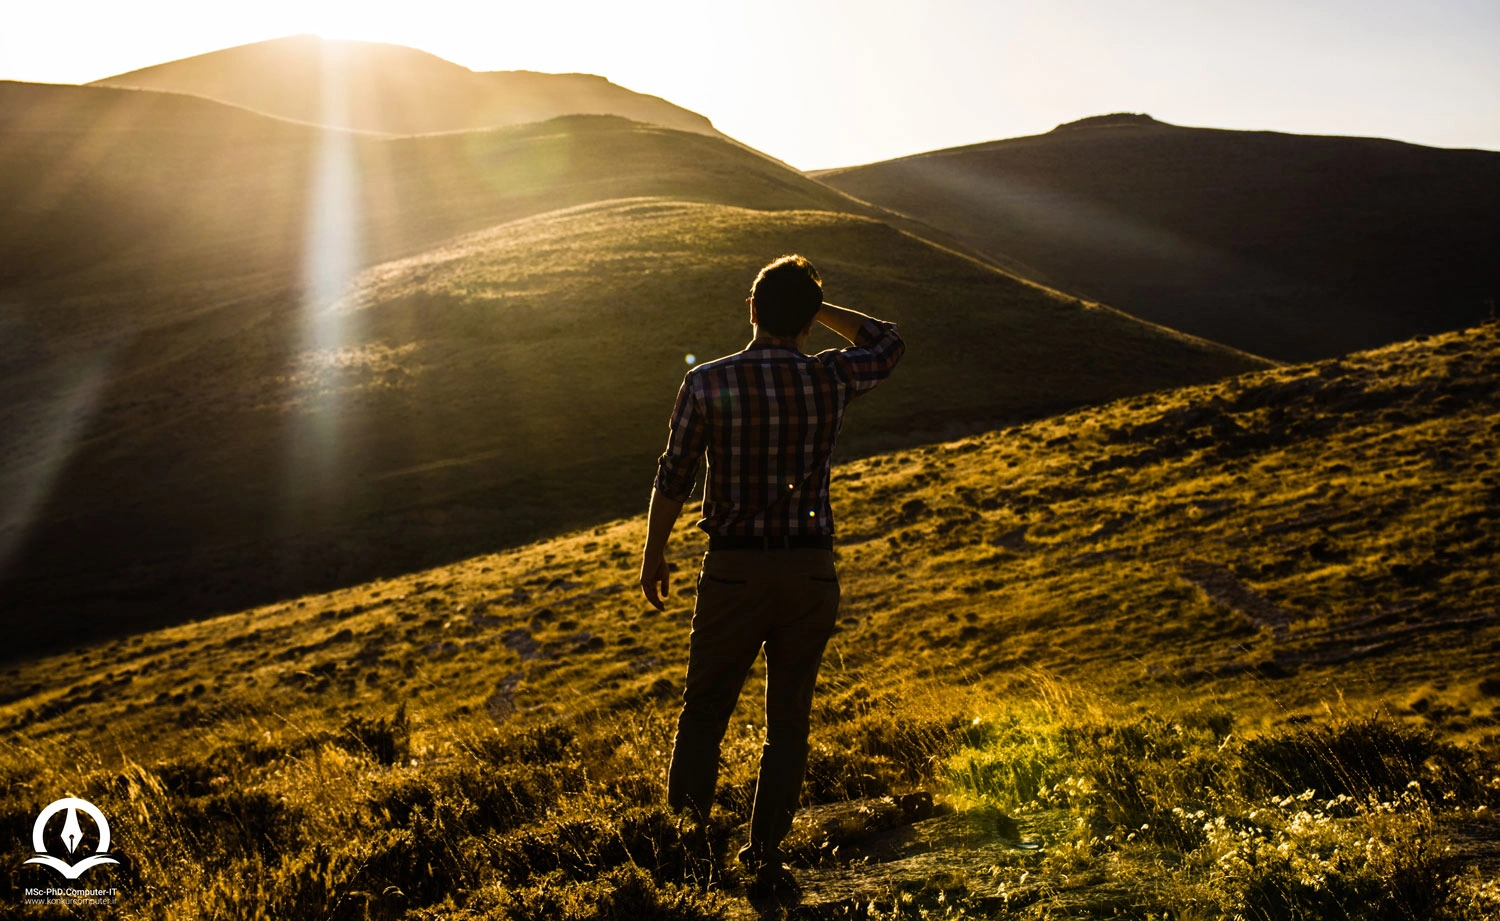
x,y
875,347
842,320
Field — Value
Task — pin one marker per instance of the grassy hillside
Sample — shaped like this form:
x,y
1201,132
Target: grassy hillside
x,y
1289,246
391,89
493,390
1227,650
159,243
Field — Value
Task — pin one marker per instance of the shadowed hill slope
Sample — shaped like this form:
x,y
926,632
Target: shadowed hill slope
x,y
1283,245
392,89
495,389
1230,578
146,227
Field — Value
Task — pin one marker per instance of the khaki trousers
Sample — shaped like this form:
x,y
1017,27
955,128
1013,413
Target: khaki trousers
x,y
782,601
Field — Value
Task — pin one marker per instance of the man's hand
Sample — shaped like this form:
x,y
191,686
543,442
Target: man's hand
x,y
659,520
654,572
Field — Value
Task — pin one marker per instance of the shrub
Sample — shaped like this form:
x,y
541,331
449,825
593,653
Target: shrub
x,y
415,864
584,847
1351,757
388,741
835,774
232,823
532,745
1297,860
1011,760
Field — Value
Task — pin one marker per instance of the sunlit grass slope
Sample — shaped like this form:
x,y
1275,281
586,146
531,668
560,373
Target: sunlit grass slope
x,y
392,89
1284,245
1225,650
504,386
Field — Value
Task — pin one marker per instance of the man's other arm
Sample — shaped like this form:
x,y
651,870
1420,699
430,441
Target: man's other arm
x,y
654,572
677,468
876,347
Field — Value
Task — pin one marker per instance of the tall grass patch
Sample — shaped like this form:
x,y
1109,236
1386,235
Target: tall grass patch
x,y
1339,820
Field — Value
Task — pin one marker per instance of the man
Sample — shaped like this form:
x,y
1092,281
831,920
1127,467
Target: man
x,y
767,418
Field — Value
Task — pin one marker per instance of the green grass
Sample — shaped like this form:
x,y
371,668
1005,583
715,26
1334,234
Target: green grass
x,y
1174,814
1269,692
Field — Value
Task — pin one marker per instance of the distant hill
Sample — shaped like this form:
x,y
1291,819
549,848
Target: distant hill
x,y
392,89
1284,245
202,422
117,192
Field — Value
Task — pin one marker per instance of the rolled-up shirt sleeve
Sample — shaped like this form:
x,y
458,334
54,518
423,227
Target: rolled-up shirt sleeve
x,y
677,467
871,359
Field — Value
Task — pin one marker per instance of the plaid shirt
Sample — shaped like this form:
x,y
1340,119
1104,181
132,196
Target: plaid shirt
x,y
767,417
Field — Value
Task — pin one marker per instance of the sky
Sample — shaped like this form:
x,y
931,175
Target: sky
x,y
823,83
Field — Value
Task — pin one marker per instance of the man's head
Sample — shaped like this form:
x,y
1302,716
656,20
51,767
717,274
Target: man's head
x,y
786,296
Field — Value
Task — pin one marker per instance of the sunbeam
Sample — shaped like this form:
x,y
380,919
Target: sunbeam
x,y
330,260
332,228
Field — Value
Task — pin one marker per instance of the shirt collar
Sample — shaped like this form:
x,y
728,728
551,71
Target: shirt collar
x,y
755,345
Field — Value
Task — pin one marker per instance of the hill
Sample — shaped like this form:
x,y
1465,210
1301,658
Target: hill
x,y
1289,246
127,188
202,423
1228,648
391,89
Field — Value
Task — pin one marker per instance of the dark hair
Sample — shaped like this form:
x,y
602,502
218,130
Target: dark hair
x,y
786,294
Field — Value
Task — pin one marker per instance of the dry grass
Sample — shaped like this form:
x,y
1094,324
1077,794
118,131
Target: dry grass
x,y
1181,611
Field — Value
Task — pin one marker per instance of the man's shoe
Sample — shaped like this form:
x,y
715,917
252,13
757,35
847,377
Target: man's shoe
x,y
774,881
769,878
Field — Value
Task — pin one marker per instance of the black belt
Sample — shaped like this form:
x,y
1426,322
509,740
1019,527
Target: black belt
x,y
788,542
